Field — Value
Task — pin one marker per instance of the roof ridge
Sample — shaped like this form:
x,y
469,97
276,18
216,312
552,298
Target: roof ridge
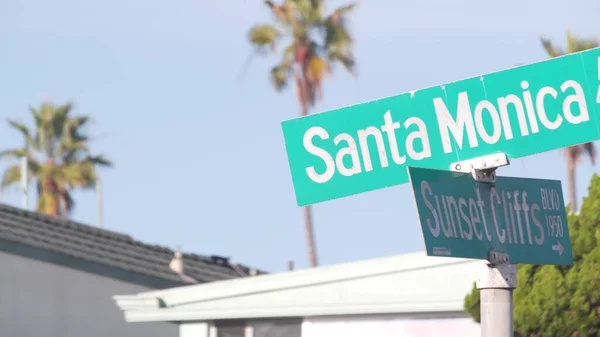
x,y
99,245
60,221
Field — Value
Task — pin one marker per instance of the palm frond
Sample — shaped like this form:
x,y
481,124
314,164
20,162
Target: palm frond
x,y
13,153
45,133
72,143
37,118
305,10
23,129
316,3
575,44
590,150
285,13
572,43
98,161
588,44
310,11
574,153
12,175
317,6
74,175
34,167
37,122
59,119
279,77
336,31
336,34
63,110
343,10
550,48
80,174
73,124
72,130
67,202
345,57
263,36
68,144
338,43
288,55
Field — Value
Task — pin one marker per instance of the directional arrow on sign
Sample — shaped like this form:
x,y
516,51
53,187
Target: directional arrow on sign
x,y
558,247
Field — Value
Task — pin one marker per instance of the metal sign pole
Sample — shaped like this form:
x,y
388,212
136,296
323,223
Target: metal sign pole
x,y
498,275
496,284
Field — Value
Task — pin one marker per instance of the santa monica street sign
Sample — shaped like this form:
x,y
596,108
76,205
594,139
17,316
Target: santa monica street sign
x,y
520,111
522,217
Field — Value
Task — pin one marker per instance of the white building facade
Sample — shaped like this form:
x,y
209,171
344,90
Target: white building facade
x,y
402,296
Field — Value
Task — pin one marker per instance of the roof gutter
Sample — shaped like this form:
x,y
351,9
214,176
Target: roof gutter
x,y
408,310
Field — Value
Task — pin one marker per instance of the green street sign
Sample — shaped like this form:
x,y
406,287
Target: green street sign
x,y
522,217
520,111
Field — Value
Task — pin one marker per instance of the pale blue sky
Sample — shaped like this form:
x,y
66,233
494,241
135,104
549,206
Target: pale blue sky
x,y
199,154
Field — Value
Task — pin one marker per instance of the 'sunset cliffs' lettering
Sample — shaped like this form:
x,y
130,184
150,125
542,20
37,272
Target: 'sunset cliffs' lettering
x,y
530,116
463,218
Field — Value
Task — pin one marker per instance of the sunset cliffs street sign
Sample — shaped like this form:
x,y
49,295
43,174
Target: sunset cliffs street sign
x,y
520,111
522,217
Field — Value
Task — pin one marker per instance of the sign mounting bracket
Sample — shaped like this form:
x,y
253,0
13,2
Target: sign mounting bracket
x,y
483,169
498,276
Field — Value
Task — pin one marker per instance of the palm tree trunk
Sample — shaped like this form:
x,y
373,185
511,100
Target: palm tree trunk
x,y
306,210
310,236
571,185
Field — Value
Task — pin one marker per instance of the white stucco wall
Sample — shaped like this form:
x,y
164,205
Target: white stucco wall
x,y
390,326
194,329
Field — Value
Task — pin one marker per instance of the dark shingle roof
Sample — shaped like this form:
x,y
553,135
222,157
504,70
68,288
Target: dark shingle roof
x,y
107,248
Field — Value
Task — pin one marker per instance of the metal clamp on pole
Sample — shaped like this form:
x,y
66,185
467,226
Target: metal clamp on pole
x,y
498,275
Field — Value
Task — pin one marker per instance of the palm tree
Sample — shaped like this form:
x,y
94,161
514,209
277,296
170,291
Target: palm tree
x,y
313,43
58,157
573,153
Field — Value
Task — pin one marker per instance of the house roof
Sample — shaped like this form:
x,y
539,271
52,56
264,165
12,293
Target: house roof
x,y
106,248
410,284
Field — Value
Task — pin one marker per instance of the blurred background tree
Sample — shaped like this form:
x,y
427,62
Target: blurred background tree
x,y
57,156
559,301
553,301
312,42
